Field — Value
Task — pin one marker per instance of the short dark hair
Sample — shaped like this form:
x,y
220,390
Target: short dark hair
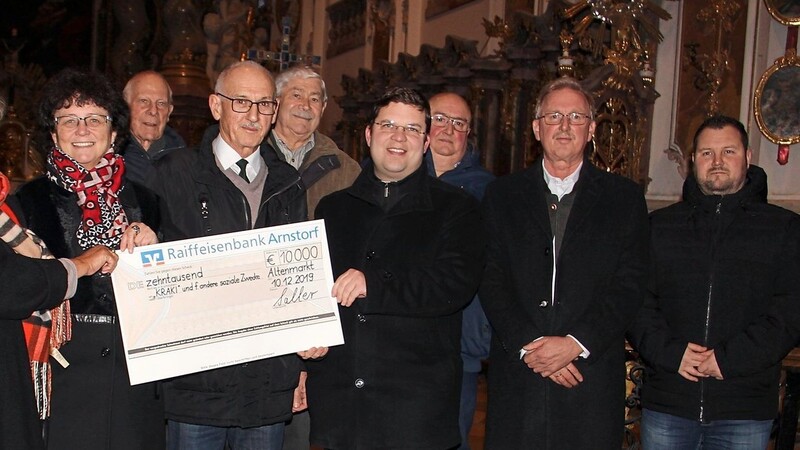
x,y
406,96
719,122
79,87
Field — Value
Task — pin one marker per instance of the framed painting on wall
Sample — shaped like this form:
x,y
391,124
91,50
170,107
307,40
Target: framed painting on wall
x,y
776,101
786,12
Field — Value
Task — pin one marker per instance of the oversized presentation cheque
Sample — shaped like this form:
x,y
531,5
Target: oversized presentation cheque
x,y
203,303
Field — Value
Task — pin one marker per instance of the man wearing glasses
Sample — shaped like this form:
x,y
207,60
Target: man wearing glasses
x,y
454,160
407,252
564,278
232,182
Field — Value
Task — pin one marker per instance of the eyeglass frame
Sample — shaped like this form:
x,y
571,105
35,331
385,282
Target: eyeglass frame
x,y
452,121
274,104
388,126
57,120
585,118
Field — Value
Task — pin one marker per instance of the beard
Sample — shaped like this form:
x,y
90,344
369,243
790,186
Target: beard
x,y
719,184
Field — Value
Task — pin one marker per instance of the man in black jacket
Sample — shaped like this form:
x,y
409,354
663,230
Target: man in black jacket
x,y
407,251
564,278
723,303
232,182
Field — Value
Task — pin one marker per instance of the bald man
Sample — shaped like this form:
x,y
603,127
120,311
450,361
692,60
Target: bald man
x,y
232,182
454,160
150,99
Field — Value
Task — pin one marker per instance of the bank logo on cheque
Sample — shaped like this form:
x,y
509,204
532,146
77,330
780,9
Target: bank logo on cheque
x,y
152,257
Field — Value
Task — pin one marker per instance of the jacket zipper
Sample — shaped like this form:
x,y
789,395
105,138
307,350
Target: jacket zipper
x,y
708,316
385,190
278,192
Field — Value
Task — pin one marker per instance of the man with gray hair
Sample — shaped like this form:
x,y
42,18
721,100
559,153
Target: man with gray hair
x,y
149,98
564,278
323,167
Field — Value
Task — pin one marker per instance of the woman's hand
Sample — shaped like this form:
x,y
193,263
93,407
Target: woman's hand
x,y
137,235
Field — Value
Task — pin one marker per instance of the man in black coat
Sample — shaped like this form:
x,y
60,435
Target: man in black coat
x,y
407,252
233,182
565,270
454,160
723,302
30,285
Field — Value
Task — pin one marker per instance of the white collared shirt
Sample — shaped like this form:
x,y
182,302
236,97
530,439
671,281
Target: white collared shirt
x,y
561,186
228,157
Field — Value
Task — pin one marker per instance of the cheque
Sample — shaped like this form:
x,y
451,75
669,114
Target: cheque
x,y
209,302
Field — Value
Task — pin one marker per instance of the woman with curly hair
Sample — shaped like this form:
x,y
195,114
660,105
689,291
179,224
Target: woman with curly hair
x,y
84,200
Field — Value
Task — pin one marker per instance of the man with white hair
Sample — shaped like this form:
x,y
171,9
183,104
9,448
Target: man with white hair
x,y
149,98
322,165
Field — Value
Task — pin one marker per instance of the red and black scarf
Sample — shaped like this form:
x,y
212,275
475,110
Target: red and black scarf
x,y
98,190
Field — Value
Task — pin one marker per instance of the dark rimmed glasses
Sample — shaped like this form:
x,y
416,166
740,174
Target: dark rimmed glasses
x,y
243,105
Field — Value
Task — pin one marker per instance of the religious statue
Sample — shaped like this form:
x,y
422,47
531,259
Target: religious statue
x,y
12,46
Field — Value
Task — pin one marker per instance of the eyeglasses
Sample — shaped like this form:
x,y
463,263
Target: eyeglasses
x,y
440,120
555,118
388,126
243,105
71,122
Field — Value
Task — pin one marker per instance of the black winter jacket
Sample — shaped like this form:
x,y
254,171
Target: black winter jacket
x,y
395,384
725,273
199,200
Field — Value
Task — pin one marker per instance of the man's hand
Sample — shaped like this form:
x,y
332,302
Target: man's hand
x,y
709,367
694,356
96,258
313,353
550,353
349,286
137,235
300,403
569,376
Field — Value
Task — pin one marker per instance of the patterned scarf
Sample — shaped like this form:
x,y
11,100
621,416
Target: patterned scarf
x,y
98,189
45,330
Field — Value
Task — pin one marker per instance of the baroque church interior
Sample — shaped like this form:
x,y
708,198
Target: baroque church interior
x,y
657,69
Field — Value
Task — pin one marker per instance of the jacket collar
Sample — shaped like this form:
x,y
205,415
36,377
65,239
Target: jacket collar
x,y
754,191
587,192
280,174
168,142
409,194
471,158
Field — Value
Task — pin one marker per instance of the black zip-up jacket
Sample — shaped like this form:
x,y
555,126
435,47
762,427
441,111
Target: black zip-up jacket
x,y
197,199
725,273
